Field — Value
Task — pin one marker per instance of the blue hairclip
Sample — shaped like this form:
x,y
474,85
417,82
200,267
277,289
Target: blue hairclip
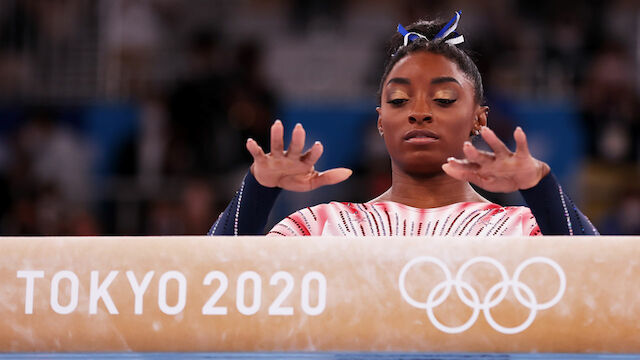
x,y
448,29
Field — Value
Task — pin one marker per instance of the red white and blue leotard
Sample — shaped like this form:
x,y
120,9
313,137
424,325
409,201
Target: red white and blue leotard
x,y
550,211
388,218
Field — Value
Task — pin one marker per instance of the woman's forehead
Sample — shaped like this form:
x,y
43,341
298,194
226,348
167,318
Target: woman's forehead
x,y
424,66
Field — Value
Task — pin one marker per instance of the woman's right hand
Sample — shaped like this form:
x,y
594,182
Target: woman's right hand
x,y
291,169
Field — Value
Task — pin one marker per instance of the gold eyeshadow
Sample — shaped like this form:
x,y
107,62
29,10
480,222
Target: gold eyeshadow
x,y
397,95
445,94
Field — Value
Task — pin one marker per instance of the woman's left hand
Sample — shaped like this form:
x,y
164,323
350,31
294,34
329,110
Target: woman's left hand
x,y
502,170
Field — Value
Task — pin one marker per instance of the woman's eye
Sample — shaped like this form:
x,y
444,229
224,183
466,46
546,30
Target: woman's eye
x,y
445,101
397,101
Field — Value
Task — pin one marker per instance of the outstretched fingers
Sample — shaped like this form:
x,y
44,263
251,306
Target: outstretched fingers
x,y
312,155
463,164
255,150
297,141
330,177
277,139
477,156
463,170
498,147
522,148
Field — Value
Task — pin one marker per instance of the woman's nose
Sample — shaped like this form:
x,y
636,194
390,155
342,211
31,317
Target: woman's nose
x,y
419,113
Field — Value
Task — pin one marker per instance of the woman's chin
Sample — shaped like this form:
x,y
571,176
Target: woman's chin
x,y
422,167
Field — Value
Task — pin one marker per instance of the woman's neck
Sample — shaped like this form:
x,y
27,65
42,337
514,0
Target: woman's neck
x,y
431,191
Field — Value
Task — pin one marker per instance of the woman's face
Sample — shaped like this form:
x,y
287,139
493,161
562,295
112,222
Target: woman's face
x,y
427,112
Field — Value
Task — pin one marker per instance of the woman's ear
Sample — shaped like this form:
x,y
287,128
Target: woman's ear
x,y
480,120
380,131
482,115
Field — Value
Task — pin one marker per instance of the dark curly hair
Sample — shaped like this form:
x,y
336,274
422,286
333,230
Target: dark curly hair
x,y
429,29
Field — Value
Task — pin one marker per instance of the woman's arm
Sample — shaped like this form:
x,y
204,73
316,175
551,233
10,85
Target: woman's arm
x,y
248,211
270,173
555,212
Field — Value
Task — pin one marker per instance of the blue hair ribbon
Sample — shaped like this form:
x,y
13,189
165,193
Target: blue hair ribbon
x,y
411,35
447,30
450,27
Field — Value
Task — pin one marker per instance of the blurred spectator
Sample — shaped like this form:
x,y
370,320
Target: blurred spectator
x,y
18,40
131,35
58,156
82,223
197,206
624,219
252,104
164,219
189,213
310,14
152,142
48,172
197,110
217,106
610,106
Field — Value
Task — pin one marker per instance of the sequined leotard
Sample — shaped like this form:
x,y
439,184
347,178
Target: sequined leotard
x,y
550,212
389,218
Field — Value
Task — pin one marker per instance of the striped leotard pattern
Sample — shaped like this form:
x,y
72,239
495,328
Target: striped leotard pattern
x,y
387,218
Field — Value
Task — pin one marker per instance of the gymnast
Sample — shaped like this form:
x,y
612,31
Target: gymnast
x,y
431,104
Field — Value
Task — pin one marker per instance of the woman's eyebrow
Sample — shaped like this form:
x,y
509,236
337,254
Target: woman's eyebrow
x,y
399,80
444,79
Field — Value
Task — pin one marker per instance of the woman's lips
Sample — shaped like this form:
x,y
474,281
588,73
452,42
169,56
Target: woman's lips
x,y
421,140
420,137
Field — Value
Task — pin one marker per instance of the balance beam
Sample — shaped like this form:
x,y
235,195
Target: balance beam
x,y
538,294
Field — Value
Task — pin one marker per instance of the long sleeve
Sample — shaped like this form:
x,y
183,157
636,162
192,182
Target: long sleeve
x,y
555,212
249,210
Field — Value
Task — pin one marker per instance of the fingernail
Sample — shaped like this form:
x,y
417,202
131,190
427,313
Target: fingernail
x,y
249,139
298,125
518,128
317,143
451,158
467,143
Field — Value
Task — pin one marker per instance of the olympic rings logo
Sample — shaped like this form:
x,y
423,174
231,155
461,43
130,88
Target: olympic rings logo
x,y
442,290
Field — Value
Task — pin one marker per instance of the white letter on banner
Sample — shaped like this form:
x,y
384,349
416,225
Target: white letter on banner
x,y
139,289
162,292
30,275
322,293
100,292
257,293
55,289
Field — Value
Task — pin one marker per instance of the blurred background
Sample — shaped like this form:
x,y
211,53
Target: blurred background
x,y
130,116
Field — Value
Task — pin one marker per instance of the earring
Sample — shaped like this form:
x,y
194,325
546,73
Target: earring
x,y
476,132
380,132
